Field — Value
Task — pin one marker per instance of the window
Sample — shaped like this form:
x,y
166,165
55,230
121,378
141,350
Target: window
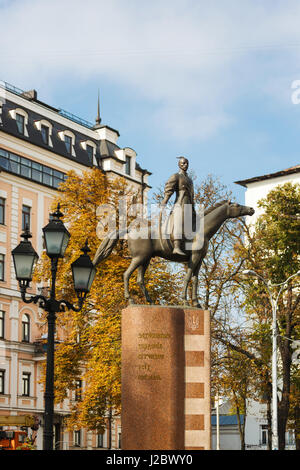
x,y
100,440
45,134
2,382
68,142
24,168
2,265
26,328
90,152
264,434
119,439
26,384
78,387
2,324
290,438
128,165
56,180
45,129
20,120
31,170
2,210
26,217
77,438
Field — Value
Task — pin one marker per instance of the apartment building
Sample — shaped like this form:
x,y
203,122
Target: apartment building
x,y
39,144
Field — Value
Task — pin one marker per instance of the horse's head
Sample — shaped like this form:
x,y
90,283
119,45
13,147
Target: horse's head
x,y
237,210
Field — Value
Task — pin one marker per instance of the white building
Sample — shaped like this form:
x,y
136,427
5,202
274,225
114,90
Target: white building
x,y
259,186
256,428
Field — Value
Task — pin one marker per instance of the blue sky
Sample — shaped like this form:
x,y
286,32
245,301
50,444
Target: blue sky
x,y
208,80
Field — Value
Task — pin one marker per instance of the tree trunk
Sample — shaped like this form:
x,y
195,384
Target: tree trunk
x,y
109,429
269,415
284,403
241,427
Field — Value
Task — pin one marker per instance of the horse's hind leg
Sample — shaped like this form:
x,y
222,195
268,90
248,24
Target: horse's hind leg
x,y
135,262
141,280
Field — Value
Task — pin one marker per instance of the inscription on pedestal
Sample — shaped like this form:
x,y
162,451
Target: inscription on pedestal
x,y
152,378
146,361
165,378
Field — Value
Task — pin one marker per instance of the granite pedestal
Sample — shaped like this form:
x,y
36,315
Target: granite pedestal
x,y
165,378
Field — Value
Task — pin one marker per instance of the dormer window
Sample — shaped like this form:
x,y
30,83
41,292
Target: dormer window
x,y
45,134
128,165
69,139
68,142
20,120
45,129
90,147
128,157
90,152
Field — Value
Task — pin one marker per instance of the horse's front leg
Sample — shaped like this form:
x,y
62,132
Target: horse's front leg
x,y
195,278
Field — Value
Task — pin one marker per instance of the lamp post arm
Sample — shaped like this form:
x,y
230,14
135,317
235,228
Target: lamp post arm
x,y
287,280
49,304
278,295
282,284
33,298
70,306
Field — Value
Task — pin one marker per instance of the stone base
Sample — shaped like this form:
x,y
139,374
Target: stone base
x,y
165,378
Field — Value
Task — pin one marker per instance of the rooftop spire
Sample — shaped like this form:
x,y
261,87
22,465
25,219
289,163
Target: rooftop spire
x,y
98,119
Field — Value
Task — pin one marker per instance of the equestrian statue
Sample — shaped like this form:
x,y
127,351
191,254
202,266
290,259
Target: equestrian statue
x,y
183,237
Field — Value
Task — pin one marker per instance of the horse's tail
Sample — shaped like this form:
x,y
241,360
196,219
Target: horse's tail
x,y
107,245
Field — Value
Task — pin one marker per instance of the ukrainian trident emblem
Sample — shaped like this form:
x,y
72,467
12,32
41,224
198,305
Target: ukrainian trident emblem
x,y
193,321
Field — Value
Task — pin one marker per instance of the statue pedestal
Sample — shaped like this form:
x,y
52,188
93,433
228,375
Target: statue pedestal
x,y
165,378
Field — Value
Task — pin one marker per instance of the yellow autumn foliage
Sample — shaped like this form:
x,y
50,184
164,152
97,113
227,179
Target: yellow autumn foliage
x,y
90,340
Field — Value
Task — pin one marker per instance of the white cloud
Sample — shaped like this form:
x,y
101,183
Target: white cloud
x,y
192,58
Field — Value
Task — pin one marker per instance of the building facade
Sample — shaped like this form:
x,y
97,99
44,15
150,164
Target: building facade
x,y
259,186
256,428
39,144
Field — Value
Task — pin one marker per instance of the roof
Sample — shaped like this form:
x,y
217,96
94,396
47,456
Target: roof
x,y
287,171
34,136
226,420
138,167
104,148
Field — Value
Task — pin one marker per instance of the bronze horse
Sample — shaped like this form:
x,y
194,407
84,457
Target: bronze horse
x,y
143,249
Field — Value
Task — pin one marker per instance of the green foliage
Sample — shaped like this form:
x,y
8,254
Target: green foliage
x,y
272,250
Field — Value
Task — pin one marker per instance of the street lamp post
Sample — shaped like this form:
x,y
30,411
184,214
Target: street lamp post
x,y
56,238
274,303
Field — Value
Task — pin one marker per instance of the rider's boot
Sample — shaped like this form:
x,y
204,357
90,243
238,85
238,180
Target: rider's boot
x,y
177,250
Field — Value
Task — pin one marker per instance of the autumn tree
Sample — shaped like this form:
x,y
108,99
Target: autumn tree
x,y
216,285
271,249
236,383
88,342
